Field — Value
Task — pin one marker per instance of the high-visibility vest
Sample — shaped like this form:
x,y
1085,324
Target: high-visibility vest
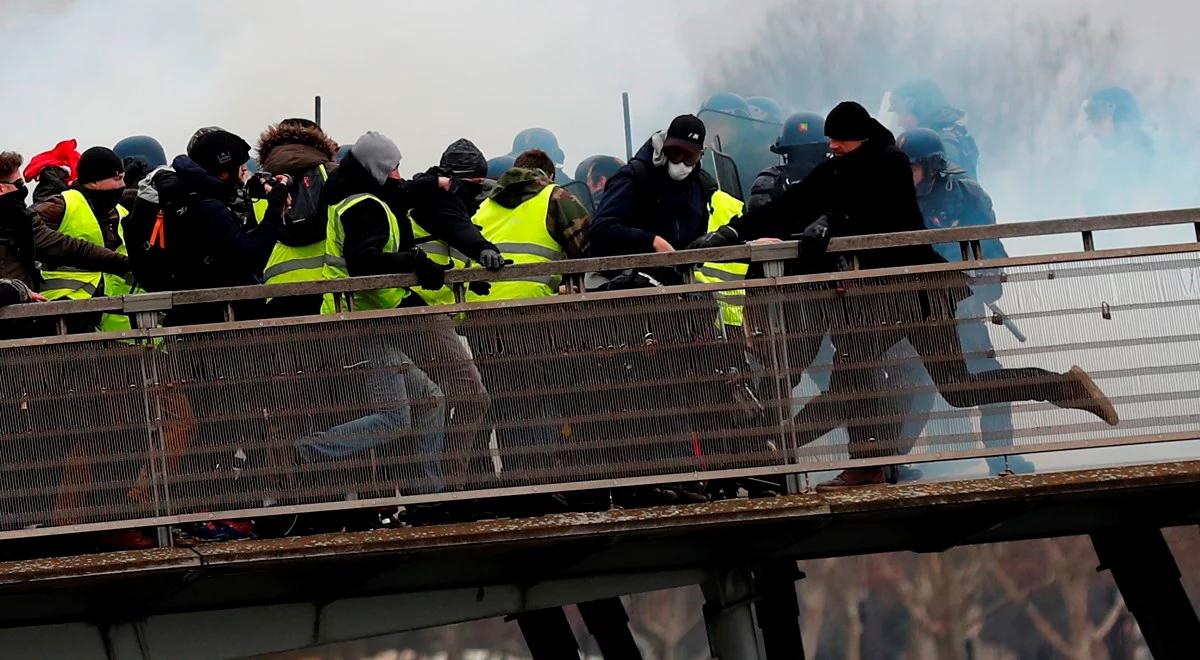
x,y
724,207
334,267
440,253
305,263
116,286
258,210
521,235
79,221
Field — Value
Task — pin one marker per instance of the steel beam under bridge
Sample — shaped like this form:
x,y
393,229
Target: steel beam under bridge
x,y
236,599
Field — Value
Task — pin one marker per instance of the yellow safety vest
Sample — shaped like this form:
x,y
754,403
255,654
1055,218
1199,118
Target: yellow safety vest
x,y
258,208
724,207
521,235
334,267
305,263
116,286
442,254
74,284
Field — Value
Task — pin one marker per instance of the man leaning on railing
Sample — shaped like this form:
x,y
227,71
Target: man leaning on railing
x,y
867,188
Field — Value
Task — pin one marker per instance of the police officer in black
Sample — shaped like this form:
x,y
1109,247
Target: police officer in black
x,y
802,145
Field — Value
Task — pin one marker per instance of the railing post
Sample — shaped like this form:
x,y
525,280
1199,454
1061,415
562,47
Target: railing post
x,y
777,335
152,398
1089,243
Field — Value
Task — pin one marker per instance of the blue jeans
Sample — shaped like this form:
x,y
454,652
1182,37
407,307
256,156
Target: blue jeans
x,y
407,403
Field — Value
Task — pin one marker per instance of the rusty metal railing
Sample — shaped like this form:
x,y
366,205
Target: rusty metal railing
x,y
159,426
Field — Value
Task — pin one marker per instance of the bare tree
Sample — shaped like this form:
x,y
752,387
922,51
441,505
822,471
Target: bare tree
x,y
1070,565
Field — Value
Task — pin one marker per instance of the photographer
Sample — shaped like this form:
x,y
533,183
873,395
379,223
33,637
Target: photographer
x,y
213,248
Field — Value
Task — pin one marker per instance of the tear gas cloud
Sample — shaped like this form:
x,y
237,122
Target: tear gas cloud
x,y
428,73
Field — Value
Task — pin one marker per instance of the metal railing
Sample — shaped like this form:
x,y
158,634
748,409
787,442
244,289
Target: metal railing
x,y
159,426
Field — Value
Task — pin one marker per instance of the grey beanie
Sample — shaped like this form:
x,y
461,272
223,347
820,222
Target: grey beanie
x,y
377,154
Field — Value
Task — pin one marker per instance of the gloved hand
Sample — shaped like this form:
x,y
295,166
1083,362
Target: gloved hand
x,y
815,239
278,200
430,274
714,239
480,288
491,259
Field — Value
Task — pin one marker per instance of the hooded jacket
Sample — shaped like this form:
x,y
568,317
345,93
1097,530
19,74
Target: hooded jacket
x,y
636,208
211,246
868,191
446,215
365,226
295,150
567,221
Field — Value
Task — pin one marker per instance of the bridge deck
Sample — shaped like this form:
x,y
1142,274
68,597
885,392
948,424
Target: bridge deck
x,y
536,551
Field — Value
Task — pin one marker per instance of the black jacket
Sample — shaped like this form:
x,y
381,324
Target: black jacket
x,y
637,207
446,215
210,244
869,189
772,182
365,225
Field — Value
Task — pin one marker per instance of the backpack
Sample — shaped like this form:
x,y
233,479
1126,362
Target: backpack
x,y
151,231
305,222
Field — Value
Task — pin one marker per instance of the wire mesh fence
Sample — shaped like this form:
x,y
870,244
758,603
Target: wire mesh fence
x,y
597,390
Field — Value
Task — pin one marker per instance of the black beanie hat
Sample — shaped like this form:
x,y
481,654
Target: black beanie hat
x,y
463,159
98,164
218,151
848,121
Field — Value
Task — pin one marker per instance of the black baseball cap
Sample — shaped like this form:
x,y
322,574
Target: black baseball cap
x,y
218,151
686,132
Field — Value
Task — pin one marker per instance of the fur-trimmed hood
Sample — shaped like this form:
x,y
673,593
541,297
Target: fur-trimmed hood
x,y
293,149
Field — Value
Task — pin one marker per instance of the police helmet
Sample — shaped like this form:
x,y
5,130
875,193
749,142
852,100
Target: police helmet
x,y
919,97
764,108
727,103
144,147
1115,102
800,129
924,147
496,167
538,138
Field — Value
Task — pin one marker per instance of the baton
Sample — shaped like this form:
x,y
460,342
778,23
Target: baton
x,y
1006,322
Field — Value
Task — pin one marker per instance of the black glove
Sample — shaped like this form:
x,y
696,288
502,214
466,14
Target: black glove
x,y
480,288
714,239
277,200
815,239
431,276
491,259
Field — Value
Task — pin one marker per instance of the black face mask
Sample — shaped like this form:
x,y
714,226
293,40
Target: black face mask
x,y
15,199
103,201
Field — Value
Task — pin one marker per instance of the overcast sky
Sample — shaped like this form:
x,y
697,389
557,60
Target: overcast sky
x,y
425,73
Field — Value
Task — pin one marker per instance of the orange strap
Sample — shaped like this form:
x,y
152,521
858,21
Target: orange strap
x,y
158,237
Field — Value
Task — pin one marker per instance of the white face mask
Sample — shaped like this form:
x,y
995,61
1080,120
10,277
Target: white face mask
x,y
679,171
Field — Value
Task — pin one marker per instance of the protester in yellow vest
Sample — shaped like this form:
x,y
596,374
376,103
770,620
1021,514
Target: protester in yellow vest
x,y
723,207
365,237
532,220
298,148
88,210
444,230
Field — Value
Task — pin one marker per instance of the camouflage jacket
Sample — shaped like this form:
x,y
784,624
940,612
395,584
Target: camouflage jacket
x,y
567,220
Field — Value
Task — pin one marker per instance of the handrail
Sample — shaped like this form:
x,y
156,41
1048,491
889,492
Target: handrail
x,y
163,301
